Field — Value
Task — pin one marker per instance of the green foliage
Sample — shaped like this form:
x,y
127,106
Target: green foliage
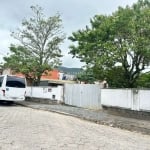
x,y
40,38
122,38
115,77
144,80
20,61
86,76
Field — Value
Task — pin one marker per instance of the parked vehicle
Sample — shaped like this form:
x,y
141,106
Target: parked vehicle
x,y
12,88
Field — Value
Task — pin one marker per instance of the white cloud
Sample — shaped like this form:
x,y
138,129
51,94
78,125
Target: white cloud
x,y
4,41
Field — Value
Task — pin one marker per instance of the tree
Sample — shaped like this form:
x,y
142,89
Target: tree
x,y
121,39
86,76
115,77
144,80
20,61
39,38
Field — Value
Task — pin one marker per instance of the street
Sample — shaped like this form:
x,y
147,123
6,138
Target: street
x,y
23,128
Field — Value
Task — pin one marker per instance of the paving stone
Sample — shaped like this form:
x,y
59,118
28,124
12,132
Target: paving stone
x,y
25,128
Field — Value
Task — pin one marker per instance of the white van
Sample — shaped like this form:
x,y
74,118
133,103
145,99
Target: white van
x,y
12,88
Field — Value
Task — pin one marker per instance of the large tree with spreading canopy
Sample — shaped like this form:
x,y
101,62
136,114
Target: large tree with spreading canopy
x,y
39,49
120,41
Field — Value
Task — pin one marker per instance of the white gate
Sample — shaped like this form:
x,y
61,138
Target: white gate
x,y
82,95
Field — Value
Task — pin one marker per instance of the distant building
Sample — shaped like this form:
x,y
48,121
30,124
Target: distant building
x,y
68,73
103,84
7,71
54,74
61,73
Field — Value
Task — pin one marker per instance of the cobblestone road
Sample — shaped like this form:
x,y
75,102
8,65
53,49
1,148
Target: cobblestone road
x,y
24,128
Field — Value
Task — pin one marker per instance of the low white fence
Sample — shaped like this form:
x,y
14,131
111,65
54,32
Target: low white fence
x,y
133,99
144,100
92,96
82,95
51,93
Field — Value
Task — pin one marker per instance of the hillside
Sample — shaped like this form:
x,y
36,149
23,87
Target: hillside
x,y
69,70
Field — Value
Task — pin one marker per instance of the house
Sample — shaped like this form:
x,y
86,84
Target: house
x,y
68,73
55,76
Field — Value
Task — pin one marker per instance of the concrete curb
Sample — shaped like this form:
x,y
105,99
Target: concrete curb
x,y
54,111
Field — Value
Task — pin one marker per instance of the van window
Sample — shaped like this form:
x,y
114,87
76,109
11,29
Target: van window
x,y
1,81
17,82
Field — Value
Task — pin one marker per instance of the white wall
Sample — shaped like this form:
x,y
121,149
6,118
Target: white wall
x,y
92,96
133,99
116,98
45,92
144,96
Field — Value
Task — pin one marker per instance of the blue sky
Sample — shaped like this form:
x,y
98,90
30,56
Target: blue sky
x,y
75,14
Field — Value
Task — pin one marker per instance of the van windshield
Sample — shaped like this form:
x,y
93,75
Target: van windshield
x,y
13,81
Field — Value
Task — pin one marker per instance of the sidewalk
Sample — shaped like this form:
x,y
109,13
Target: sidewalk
x,y
100,116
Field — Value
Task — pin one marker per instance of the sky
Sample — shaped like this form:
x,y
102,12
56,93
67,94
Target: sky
x,y
75,14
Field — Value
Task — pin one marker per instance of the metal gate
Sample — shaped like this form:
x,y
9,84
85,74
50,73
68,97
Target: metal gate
x,y
82,95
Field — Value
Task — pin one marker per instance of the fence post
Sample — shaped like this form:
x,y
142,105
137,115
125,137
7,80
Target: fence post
x,y
135,99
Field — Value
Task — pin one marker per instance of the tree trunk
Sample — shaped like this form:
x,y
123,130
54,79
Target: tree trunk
x,y
38,80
